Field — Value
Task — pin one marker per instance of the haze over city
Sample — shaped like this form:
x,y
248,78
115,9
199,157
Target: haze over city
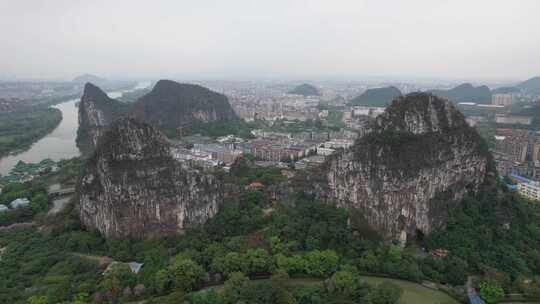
x,y
269,152
418,39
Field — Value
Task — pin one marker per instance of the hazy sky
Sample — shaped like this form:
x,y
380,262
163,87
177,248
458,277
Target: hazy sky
x,y
489,39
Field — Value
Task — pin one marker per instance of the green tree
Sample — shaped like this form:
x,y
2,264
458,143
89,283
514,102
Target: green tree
x,y
185,274
259,261
344,282
37,300
162,281
456,270
39,202
293,265
369,261
116,277
234,287
384,293
231,262
321,263
490,291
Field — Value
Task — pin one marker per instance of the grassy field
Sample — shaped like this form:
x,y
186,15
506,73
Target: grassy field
x,y
415,293
412,293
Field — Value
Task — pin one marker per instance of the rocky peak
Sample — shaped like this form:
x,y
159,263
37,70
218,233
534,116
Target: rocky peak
x,y
132,186
130,139
419,150
96,112
171,105
93,93
420,113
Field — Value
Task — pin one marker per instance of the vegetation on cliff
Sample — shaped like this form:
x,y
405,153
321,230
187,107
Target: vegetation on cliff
x,y
494,236
19,130
171,105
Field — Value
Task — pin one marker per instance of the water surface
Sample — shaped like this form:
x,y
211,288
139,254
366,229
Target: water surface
x,y
60,143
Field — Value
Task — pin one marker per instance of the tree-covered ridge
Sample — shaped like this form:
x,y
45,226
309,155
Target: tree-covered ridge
x,y
505,90
466,93
18,130
305,90
531,86
378,97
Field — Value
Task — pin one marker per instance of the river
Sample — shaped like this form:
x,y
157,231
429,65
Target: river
x,y
60,143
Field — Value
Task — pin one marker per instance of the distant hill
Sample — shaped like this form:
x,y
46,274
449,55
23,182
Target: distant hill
x,y
379,97
89,78
505,90
466,93
171,105
305,90
531,86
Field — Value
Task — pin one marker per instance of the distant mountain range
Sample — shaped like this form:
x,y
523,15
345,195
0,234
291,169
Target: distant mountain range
x,y
305,90
379,97
530,86
466,93
505,90
85,78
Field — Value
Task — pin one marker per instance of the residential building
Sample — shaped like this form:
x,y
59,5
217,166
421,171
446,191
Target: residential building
x,y
503,99
19,203
530,191
513,119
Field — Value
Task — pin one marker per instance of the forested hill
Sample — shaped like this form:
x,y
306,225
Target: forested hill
x,y
466,93
531,86
171,105
379,97
305,90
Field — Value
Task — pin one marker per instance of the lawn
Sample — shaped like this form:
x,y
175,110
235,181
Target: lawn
x,y
415,293
412,293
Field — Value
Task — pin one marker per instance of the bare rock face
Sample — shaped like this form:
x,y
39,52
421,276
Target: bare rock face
x,y
96,112
419,159
171,105
132,187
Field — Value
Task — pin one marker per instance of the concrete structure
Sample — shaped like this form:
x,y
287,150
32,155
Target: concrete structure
x,y
502,99
19,203
309,162
529,190
474,120
325,151
513,119
526,187
218,152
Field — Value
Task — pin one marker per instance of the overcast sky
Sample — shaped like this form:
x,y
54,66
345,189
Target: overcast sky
x,y
293,39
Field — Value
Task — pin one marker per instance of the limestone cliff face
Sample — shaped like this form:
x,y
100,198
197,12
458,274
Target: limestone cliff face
x,y
96,112
418,151
171,105
133,187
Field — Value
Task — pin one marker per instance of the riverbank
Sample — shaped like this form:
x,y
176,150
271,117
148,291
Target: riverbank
x,y
59,142
19,130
